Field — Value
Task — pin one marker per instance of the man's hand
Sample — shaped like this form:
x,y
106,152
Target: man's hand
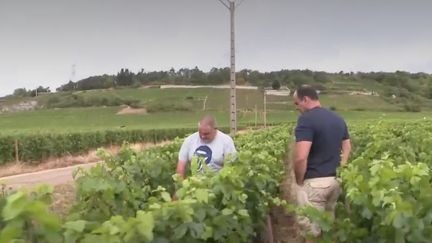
x,y
302,149
343,163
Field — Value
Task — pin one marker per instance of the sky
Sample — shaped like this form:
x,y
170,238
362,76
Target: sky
x,y
41,41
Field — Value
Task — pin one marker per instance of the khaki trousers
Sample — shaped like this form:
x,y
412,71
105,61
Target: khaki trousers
x,y
321,193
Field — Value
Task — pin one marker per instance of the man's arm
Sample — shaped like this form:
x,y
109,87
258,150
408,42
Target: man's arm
x,y
181,171
182,163
302,149
181,168
346,149
183,158
230,151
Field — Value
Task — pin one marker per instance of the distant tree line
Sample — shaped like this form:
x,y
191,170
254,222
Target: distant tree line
x,y
22,92
401,84
125,77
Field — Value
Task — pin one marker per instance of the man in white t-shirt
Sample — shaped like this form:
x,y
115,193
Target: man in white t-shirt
x,y
209,146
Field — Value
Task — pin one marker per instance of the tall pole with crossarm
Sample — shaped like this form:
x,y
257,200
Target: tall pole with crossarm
x,y
231,6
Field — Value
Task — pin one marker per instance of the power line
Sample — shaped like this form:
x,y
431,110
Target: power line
x,y
239,3
224,4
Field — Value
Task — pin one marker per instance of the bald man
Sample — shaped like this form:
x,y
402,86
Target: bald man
x,y
209,146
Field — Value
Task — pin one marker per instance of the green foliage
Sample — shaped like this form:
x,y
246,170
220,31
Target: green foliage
x,y
125,183
169,105
70,86
65,100
7,149
218,75
94,82
321,77
25,218
276,85
124,78
412,107
37,147
129,199
22,92
387,194
387,185
405,84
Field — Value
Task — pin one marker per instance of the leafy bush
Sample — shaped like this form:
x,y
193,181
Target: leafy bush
x,y
169,105
37,147
76,100
276,85
129,200
412,107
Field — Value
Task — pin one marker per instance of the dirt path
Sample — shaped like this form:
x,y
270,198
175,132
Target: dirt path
x,y
56,171
53,177
89,157
285,229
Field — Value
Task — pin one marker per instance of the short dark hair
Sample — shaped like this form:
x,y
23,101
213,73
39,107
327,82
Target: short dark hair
x,y
307,91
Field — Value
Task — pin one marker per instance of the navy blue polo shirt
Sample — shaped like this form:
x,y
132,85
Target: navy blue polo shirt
x,y
326,130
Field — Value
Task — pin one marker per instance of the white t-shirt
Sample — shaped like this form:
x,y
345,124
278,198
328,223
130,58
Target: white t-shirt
x,y
212,153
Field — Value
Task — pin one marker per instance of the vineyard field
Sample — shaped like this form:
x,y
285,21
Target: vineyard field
x,y
387,194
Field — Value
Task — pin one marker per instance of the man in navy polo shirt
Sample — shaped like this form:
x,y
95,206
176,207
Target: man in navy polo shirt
x,y
322,144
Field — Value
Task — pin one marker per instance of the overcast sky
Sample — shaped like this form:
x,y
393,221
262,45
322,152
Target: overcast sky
x,y
41,40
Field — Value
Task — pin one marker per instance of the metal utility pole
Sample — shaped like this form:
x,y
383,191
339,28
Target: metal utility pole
x,y
231,6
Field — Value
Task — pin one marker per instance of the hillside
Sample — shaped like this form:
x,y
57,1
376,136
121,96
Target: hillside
x,y
399,91
194,99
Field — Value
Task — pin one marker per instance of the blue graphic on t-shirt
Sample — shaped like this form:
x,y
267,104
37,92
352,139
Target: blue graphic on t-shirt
x,y
204,154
